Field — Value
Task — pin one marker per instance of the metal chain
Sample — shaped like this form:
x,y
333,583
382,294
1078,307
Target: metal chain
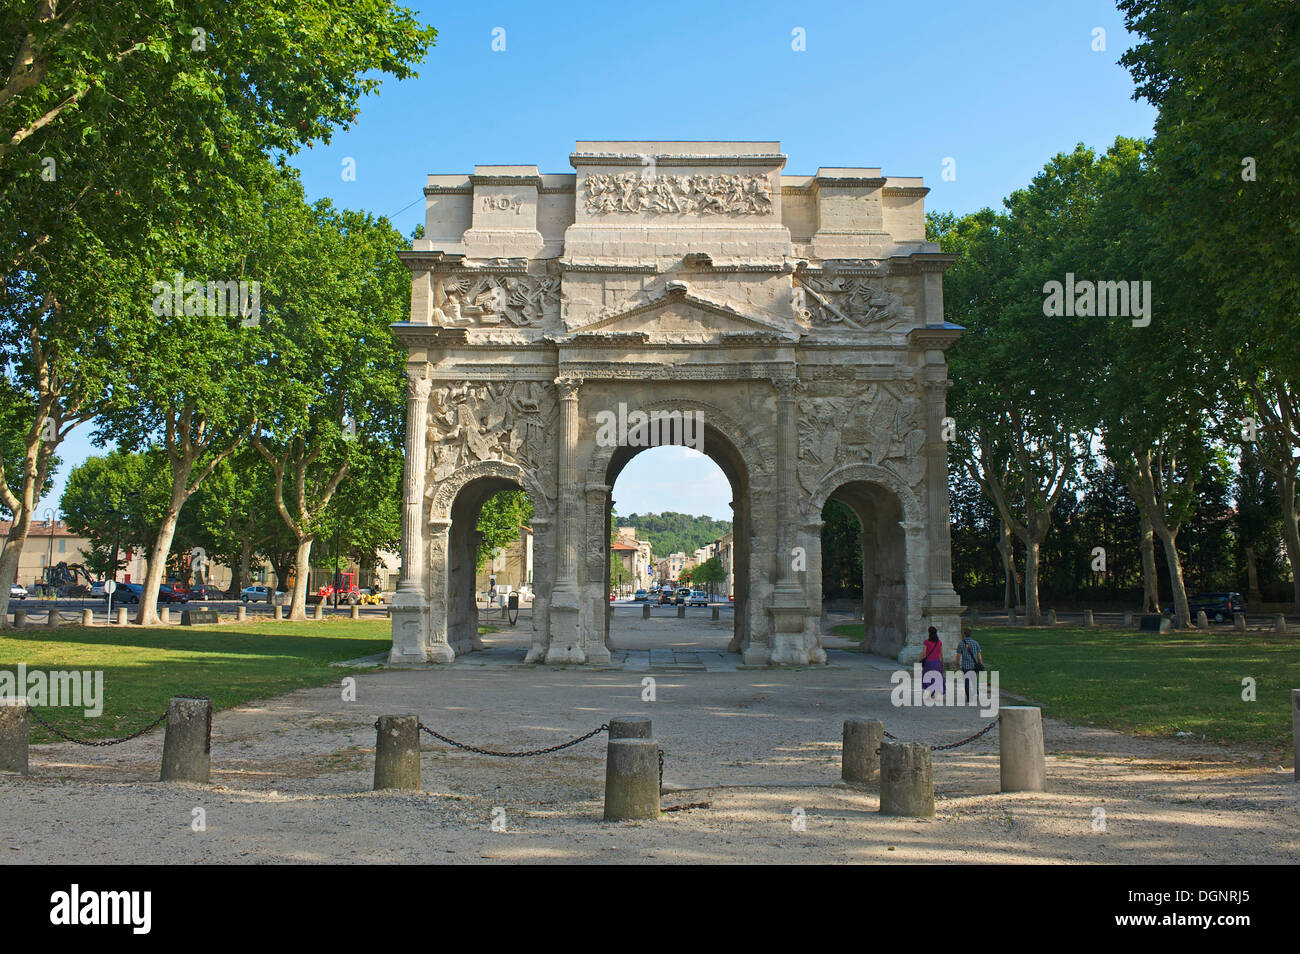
x,y
952,745
96,742
661,771
511,755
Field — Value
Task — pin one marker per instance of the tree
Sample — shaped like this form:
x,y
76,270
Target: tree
x,y
499,521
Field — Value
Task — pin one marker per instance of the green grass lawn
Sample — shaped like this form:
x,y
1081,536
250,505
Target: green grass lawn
x,y
1151,684
230,663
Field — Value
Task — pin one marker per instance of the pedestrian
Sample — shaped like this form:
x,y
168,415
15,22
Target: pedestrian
x,y
971,659
932,663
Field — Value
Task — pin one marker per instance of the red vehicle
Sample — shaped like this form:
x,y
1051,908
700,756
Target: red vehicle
x,y
349,592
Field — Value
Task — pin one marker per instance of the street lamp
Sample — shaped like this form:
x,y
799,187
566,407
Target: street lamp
x,y
49,530
117,538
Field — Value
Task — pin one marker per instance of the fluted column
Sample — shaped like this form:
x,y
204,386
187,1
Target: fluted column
x,y
942,605
565,642
410,611
789,609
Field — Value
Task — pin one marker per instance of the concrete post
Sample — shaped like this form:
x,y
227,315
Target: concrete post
x,y
1202,621
88,617
15,729
1295,729
123,616
1011,616
681,612
631,779
859,752
187,744
241,613
318,611
1128,619
397,753
166,614
277,612
906,780
645,610
20,619
1088,621
1238,622
1051,617
630,727
52,618
356,612
715,612
1279,623
1020,749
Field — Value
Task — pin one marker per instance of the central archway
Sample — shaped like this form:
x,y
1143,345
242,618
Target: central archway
x,y
723,442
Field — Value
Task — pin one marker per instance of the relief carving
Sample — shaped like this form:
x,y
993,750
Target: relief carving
x,y
522,300
842,301
502,420
884,426
725,193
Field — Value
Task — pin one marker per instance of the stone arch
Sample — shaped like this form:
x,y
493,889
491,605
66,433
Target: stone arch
x,y
749,474
443,496
893,549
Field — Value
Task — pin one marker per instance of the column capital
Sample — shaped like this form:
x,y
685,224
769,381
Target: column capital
x,y
568,385
418,386
787,387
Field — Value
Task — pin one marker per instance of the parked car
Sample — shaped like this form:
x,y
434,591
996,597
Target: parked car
x,y
127,593
169,594
640,596
1217,606
683,595
257,594
97,589
205,592
17,592
699,598
665,595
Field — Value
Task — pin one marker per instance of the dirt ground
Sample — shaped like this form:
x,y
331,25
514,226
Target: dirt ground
x,y
291,779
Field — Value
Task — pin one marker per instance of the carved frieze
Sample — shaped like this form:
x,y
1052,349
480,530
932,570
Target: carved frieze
x,y
722,194
499,420
462,300
842,301
881,424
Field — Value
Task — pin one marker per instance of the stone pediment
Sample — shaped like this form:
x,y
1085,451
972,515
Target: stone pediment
x,y
677,315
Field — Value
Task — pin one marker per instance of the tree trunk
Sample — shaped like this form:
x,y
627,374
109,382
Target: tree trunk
x,y
1150,585
1006,547
242,566
13,551
302,570
1033,613
1182,611
147,614
1286,488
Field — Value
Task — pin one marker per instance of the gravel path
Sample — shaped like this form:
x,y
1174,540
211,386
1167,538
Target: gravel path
x,y
291,778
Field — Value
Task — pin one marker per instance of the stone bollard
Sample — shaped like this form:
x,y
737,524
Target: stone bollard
x,y
187,744
356,612
20,619
123,616
15,728
1295,729
1051,617
52,618
241,613
166,614
397,753
1279,623
715,612
87,617
277,612
631,779
1088,621
1202,621
318,611
645,610
906,780
1239,622
860,750
630,727
1011,616
1020,749
681,612
1128,619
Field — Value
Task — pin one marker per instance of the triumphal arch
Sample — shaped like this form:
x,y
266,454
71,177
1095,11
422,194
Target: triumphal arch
x,y
788,326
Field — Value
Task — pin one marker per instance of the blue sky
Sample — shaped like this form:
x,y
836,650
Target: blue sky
x,y
999,87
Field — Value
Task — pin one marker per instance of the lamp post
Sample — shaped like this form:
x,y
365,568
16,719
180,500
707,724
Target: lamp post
x,y
49,559
117,538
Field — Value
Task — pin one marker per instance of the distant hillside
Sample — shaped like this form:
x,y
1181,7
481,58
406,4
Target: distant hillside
x,y
671,532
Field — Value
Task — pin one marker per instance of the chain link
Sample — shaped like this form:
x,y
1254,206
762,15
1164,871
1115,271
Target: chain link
x,y
952,745
511,755
95,742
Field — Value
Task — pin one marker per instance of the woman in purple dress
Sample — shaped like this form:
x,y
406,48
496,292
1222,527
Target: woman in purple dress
x,y
932,662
